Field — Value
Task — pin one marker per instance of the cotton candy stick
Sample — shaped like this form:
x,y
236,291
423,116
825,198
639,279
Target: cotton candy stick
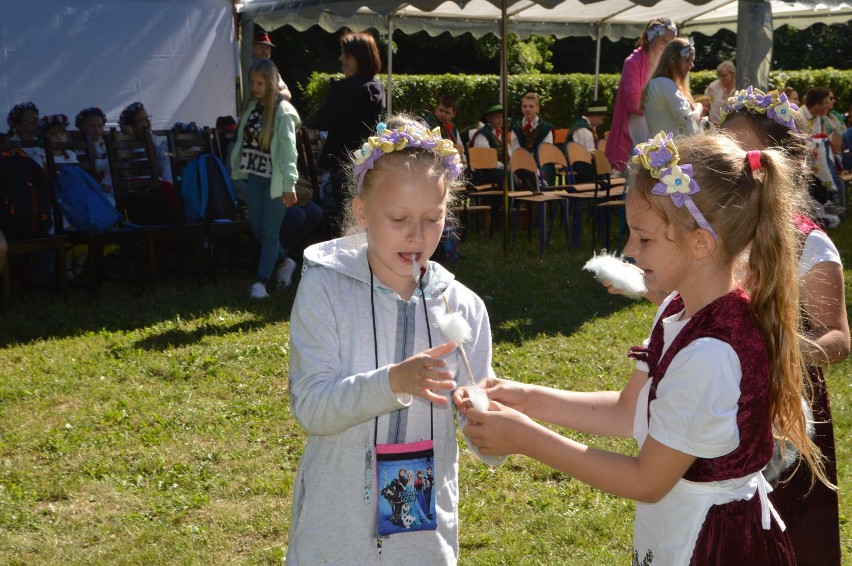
x,y
455,327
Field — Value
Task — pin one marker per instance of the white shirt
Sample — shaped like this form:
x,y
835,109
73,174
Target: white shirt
x,y
695,412
818,249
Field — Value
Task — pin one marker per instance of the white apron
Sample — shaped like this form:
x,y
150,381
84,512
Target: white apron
x,y
669,528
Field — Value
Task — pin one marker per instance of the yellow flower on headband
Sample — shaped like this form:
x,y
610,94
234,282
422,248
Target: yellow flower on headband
x,y
656,154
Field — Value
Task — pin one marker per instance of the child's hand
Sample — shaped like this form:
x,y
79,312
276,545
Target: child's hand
x,y
421,375
509,393
497,432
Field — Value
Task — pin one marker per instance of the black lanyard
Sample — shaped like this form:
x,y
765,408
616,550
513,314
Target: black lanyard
x,y
376,344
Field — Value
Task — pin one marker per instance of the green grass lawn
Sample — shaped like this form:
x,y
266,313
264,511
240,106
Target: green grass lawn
x,y
156,429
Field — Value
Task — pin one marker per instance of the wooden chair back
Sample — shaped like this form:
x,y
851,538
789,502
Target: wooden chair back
x,y
308,147
522,160
185,146
482,158
133,161
578,153
222,141
549,153
602,164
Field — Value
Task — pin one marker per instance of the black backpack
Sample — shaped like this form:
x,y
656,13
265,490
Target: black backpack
x,y
25,201
207,191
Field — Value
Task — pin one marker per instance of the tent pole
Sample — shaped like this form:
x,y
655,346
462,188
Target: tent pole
x,y
504,97
597,59
389,88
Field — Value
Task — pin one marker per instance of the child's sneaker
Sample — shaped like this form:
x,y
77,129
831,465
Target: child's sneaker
x,y
258,291
284,274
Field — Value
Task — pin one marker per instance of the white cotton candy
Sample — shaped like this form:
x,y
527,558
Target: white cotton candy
x,y
619,273
455,327
415,267
478,398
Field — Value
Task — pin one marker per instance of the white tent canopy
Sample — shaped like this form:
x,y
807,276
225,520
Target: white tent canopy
x,y
175,56
566,18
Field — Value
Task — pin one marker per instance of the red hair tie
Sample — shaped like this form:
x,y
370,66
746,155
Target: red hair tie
x,y
754,160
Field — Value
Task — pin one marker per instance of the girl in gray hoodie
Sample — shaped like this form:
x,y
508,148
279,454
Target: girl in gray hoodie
x,y
369,362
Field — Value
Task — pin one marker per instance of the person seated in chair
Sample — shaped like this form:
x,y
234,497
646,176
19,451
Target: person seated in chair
x,y
530,133
442,116
135,120
91,121
584,130
23,127
490,135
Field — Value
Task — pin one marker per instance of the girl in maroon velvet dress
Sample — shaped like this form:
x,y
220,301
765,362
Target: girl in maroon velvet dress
x,y
810,510
721,366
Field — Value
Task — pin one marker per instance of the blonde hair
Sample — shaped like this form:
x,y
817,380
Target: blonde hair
x,y
414,160
669,67
266,68
752,217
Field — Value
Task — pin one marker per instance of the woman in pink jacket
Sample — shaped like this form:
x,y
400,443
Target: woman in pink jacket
x,y
628,120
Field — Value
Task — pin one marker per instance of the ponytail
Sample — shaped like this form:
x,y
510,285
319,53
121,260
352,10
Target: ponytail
x,y
772,265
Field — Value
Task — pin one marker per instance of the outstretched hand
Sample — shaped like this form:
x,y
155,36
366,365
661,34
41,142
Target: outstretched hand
x,y
499,431
423,374
508,393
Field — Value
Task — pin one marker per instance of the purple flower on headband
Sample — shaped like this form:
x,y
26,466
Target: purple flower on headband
x,y
677,182
662,156
783,112
762,100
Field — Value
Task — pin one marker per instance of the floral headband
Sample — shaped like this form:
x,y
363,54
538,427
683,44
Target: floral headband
x,y
18,110
47,122
408,135
85,113
127,114
659,156
774,105
659,30
689,49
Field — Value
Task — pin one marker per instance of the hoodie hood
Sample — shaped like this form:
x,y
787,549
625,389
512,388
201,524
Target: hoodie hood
x,y
348,256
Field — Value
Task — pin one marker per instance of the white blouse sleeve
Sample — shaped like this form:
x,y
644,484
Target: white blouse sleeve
x,y
695,411
818,249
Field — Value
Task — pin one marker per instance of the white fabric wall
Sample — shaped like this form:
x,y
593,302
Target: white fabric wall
x,y
177,57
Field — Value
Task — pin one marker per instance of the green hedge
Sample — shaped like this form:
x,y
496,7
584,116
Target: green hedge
x,y
563,96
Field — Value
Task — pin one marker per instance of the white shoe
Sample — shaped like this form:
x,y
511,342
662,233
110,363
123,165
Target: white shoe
x,y
284,274
258,291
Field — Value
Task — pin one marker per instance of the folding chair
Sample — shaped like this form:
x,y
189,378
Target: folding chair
x,y
135,176
607,197
222,235
129,242
522,160
21,252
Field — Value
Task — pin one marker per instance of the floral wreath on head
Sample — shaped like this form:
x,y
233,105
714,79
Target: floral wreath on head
x,y
776,106
47,122
660,157
18,110
85,113
127,114
410,135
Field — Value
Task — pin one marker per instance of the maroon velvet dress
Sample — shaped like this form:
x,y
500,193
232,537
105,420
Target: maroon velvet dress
x,y
812,514
732,533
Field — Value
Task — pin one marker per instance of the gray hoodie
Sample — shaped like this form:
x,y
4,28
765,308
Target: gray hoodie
x,y
337,389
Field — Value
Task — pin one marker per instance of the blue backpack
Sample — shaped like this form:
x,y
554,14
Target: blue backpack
x,y
207,191
82,201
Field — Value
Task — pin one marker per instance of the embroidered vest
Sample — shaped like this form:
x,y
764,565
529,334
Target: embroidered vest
x,y
726,319
532,139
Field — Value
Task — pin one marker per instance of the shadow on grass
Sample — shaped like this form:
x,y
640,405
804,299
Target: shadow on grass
x,y
37,314
528,295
